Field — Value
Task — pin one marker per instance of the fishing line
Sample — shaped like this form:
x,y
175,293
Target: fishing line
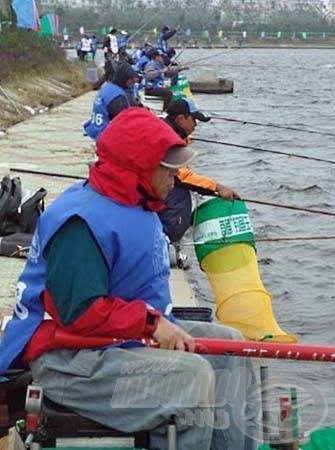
x,y
259,149
273,125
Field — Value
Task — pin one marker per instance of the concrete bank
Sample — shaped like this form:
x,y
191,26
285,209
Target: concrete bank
x,y
53,142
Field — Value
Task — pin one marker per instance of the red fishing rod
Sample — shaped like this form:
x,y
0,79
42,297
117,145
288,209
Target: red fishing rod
x,y
204,346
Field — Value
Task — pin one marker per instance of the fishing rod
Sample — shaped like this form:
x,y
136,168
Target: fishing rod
x,y
179,54
273,125
266,203
267,239
51,174
205,58
205,191
260,149
296,208
205,346
142,26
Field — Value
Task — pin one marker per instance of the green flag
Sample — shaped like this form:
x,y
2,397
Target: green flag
x,y
46,26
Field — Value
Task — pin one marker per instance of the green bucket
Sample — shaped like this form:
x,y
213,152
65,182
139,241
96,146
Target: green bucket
x,y
181,89
219,223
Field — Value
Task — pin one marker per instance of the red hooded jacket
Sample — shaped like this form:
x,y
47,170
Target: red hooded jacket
x,y
129,151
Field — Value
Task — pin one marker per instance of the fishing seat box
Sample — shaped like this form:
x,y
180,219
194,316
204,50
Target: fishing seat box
x,y
60,422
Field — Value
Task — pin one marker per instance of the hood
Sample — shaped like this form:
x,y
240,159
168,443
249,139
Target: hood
x,y
129,150
123,73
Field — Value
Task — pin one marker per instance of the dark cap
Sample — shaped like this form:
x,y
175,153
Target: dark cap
x,y
166,28
178,157
155,52
171,52
186,107
123,73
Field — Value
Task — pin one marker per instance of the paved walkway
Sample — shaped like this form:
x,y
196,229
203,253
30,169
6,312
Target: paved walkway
x,y
53,142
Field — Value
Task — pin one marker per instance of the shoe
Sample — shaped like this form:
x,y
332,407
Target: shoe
x,y
183,261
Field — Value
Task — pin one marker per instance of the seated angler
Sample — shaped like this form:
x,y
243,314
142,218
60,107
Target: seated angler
x,y
95,279
176,217
144,57
114,96
155,73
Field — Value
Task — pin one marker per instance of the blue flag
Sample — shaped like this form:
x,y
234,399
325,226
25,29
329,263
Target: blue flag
x,y
25,13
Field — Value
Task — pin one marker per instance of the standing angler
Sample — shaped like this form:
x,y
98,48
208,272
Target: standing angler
x,y
163,37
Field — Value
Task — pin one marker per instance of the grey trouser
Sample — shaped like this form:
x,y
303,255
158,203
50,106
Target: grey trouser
x,y
142,388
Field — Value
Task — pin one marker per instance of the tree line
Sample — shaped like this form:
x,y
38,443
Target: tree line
x,y
194,15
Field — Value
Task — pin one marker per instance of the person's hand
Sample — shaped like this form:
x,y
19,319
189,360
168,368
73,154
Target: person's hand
x,y
226,192
172,337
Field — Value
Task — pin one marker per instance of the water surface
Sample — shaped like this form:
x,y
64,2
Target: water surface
x,y
293,88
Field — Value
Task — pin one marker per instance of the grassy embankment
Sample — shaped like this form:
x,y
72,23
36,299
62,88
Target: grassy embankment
x,y
34,75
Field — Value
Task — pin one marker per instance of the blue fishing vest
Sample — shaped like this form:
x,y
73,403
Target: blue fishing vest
x,y
100,117
122,41
138,267
142,62
157,82
161,43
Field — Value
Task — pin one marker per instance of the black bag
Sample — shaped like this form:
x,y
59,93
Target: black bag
x,y
17,245
14,216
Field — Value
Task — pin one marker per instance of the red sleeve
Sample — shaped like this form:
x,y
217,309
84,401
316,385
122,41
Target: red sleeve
x,y
111,317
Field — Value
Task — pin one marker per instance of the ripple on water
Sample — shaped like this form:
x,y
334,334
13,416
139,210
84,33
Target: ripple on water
x,y
280,86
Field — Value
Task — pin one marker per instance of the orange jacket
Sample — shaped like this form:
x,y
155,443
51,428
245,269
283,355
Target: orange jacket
x,y
186,175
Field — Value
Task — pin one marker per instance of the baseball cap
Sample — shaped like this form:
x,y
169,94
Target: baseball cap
x,y
177,157
187,107
155,52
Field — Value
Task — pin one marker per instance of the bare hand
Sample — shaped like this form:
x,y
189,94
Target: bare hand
x,y
226,192
172,337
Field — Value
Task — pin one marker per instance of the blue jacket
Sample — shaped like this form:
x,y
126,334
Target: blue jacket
x,y
100,117
122,41
157,82
134,274
142,62
161,43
